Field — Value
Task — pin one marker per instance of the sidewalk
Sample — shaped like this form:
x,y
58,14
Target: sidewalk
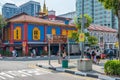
x,y
53,57
25,57
97,72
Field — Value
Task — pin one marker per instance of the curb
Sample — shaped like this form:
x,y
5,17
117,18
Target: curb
x,y
80,73
69,71
103,77
92,75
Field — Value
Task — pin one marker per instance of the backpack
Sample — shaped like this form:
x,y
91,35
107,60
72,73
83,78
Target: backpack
x,y
111,52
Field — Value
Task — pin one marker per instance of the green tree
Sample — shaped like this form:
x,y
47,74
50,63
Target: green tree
x,y
2,24
92,40
78,24
113,5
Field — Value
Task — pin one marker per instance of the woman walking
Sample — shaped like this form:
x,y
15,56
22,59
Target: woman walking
x,y
93,56
97,56
88,54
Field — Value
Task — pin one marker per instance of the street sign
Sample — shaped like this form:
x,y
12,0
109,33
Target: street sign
x,y
81,37
59,39
117,44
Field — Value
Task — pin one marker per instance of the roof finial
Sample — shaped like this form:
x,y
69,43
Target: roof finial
x,y
45,8
44,1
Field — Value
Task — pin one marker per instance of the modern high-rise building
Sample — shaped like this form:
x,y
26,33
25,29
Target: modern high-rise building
x,y
98,13
69,15
9,10
31,8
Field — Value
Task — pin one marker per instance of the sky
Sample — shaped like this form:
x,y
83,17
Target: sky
x,y
60,6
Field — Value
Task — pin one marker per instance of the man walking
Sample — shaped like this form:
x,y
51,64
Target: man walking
x,y
111,53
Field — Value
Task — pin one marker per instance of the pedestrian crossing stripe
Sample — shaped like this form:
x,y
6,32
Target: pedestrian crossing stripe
x,y
22,73
2,77
6,75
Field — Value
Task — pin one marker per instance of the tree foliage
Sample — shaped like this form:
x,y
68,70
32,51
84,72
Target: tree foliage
x,y
114,5
2,24
75,36
78,24
92,40
111,4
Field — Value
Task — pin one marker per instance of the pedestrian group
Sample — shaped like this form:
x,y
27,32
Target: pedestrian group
x,y
95,54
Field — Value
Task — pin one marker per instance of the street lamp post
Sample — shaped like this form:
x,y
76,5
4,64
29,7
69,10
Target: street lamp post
x,y
83,64
49,37
82,29
68,48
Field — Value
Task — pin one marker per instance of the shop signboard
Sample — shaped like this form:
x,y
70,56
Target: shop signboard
x,y
59,39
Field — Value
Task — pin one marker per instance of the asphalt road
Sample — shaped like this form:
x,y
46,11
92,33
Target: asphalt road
x,y
27,70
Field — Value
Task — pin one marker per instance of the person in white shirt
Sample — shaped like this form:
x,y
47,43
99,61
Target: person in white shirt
x,y
34,52
14,53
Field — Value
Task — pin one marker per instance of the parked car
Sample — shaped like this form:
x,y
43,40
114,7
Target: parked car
x,y
103,56
107,50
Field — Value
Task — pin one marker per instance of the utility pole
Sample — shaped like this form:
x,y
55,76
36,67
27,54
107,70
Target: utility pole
x,y
68,48
59,61
49,52
82,30
49,36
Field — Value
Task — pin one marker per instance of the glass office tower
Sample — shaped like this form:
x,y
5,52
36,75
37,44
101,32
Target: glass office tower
x,y
99,14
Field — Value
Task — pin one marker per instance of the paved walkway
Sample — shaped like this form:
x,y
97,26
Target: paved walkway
x,y
97,69
53,57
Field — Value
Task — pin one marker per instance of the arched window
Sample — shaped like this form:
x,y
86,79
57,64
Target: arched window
x,y
69,33
53,31
17,33
36,34
64,32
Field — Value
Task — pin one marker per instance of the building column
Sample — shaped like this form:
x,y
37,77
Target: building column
x,y
45,32
25,39
45,48
11,36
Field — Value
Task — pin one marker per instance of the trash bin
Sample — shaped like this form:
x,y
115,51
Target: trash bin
x,y
64,63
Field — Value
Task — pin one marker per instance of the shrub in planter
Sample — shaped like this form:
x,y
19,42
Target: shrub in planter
x,y
44,53
112,67
4,53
